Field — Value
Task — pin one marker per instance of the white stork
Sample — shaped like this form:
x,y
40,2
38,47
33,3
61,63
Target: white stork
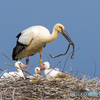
x,y
38,73
50,72
18,65
33,39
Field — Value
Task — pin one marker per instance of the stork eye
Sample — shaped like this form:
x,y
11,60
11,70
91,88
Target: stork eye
x,y
60,27
20,64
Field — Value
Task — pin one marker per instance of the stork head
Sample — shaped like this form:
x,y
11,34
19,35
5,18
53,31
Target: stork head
x,y
59,27
19,65
37,71
46,65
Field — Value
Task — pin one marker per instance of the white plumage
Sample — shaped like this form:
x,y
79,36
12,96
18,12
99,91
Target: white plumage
x,y
50,72
32,41
38,73
15,74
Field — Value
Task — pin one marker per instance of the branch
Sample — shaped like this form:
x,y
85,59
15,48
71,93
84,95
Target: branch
x,y
46,56
3,54
95,65
68,57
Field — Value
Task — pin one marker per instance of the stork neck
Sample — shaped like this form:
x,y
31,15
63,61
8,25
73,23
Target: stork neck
x,y
53,36
20,72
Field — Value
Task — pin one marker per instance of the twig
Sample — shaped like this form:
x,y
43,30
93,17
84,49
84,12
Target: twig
x,y
95,65
68,57
0,96
33,65
47,56
66,61
75,76
80,72
13,94
35,60
60,54
3,72
3,54
71,69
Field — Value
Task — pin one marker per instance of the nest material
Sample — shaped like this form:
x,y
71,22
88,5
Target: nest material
x,y
63,75
42,88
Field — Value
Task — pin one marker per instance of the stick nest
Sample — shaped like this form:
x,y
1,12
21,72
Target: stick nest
x,y
52,88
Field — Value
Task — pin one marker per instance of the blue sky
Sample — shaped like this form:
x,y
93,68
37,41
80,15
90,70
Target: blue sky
x,y
81,19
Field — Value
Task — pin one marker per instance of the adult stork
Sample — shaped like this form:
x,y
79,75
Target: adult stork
x,y
33,39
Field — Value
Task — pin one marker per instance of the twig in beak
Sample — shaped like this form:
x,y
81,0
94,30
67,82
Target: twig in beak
x,y
72,56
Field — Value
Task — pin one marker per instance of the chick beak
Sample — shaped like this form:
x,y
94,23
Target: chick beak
x,y
22,65
42,68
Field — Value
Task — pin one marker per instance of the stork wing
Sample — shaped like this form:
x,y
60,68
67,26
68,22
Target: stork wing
x,y
24,39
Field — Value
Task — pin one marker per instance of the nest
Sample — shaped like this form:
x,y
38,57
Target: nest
x,y
54,88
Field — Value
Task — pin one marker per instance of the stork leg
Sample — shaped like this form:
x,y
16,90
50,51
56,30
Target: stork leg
x,y
41,62
27,61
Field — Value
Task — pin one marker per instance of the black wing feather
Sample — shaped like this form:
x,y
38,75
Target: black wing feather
x,y
18,35
18,48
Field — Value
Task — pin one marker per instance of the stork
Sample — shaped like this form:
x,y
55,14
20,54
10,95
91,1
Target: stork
x,y
33,39
38,73
50,72
18,65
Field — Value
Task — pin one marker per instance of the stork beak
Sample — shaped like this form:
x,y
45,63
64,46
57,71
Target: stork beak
x,y
64,33
39,72
42,68
23,66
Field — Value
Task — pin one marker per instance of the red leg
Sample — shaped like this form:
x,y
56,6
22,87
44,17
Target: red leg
x,y
41,62
27,61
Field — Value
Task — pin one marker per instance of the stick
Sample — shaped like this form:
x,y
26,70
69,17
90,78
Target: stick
x,y
60,54
67,58
95,65
3,54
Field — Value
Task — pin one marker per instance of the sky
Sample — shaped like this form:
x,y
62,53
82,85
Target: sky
x,y
81,19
